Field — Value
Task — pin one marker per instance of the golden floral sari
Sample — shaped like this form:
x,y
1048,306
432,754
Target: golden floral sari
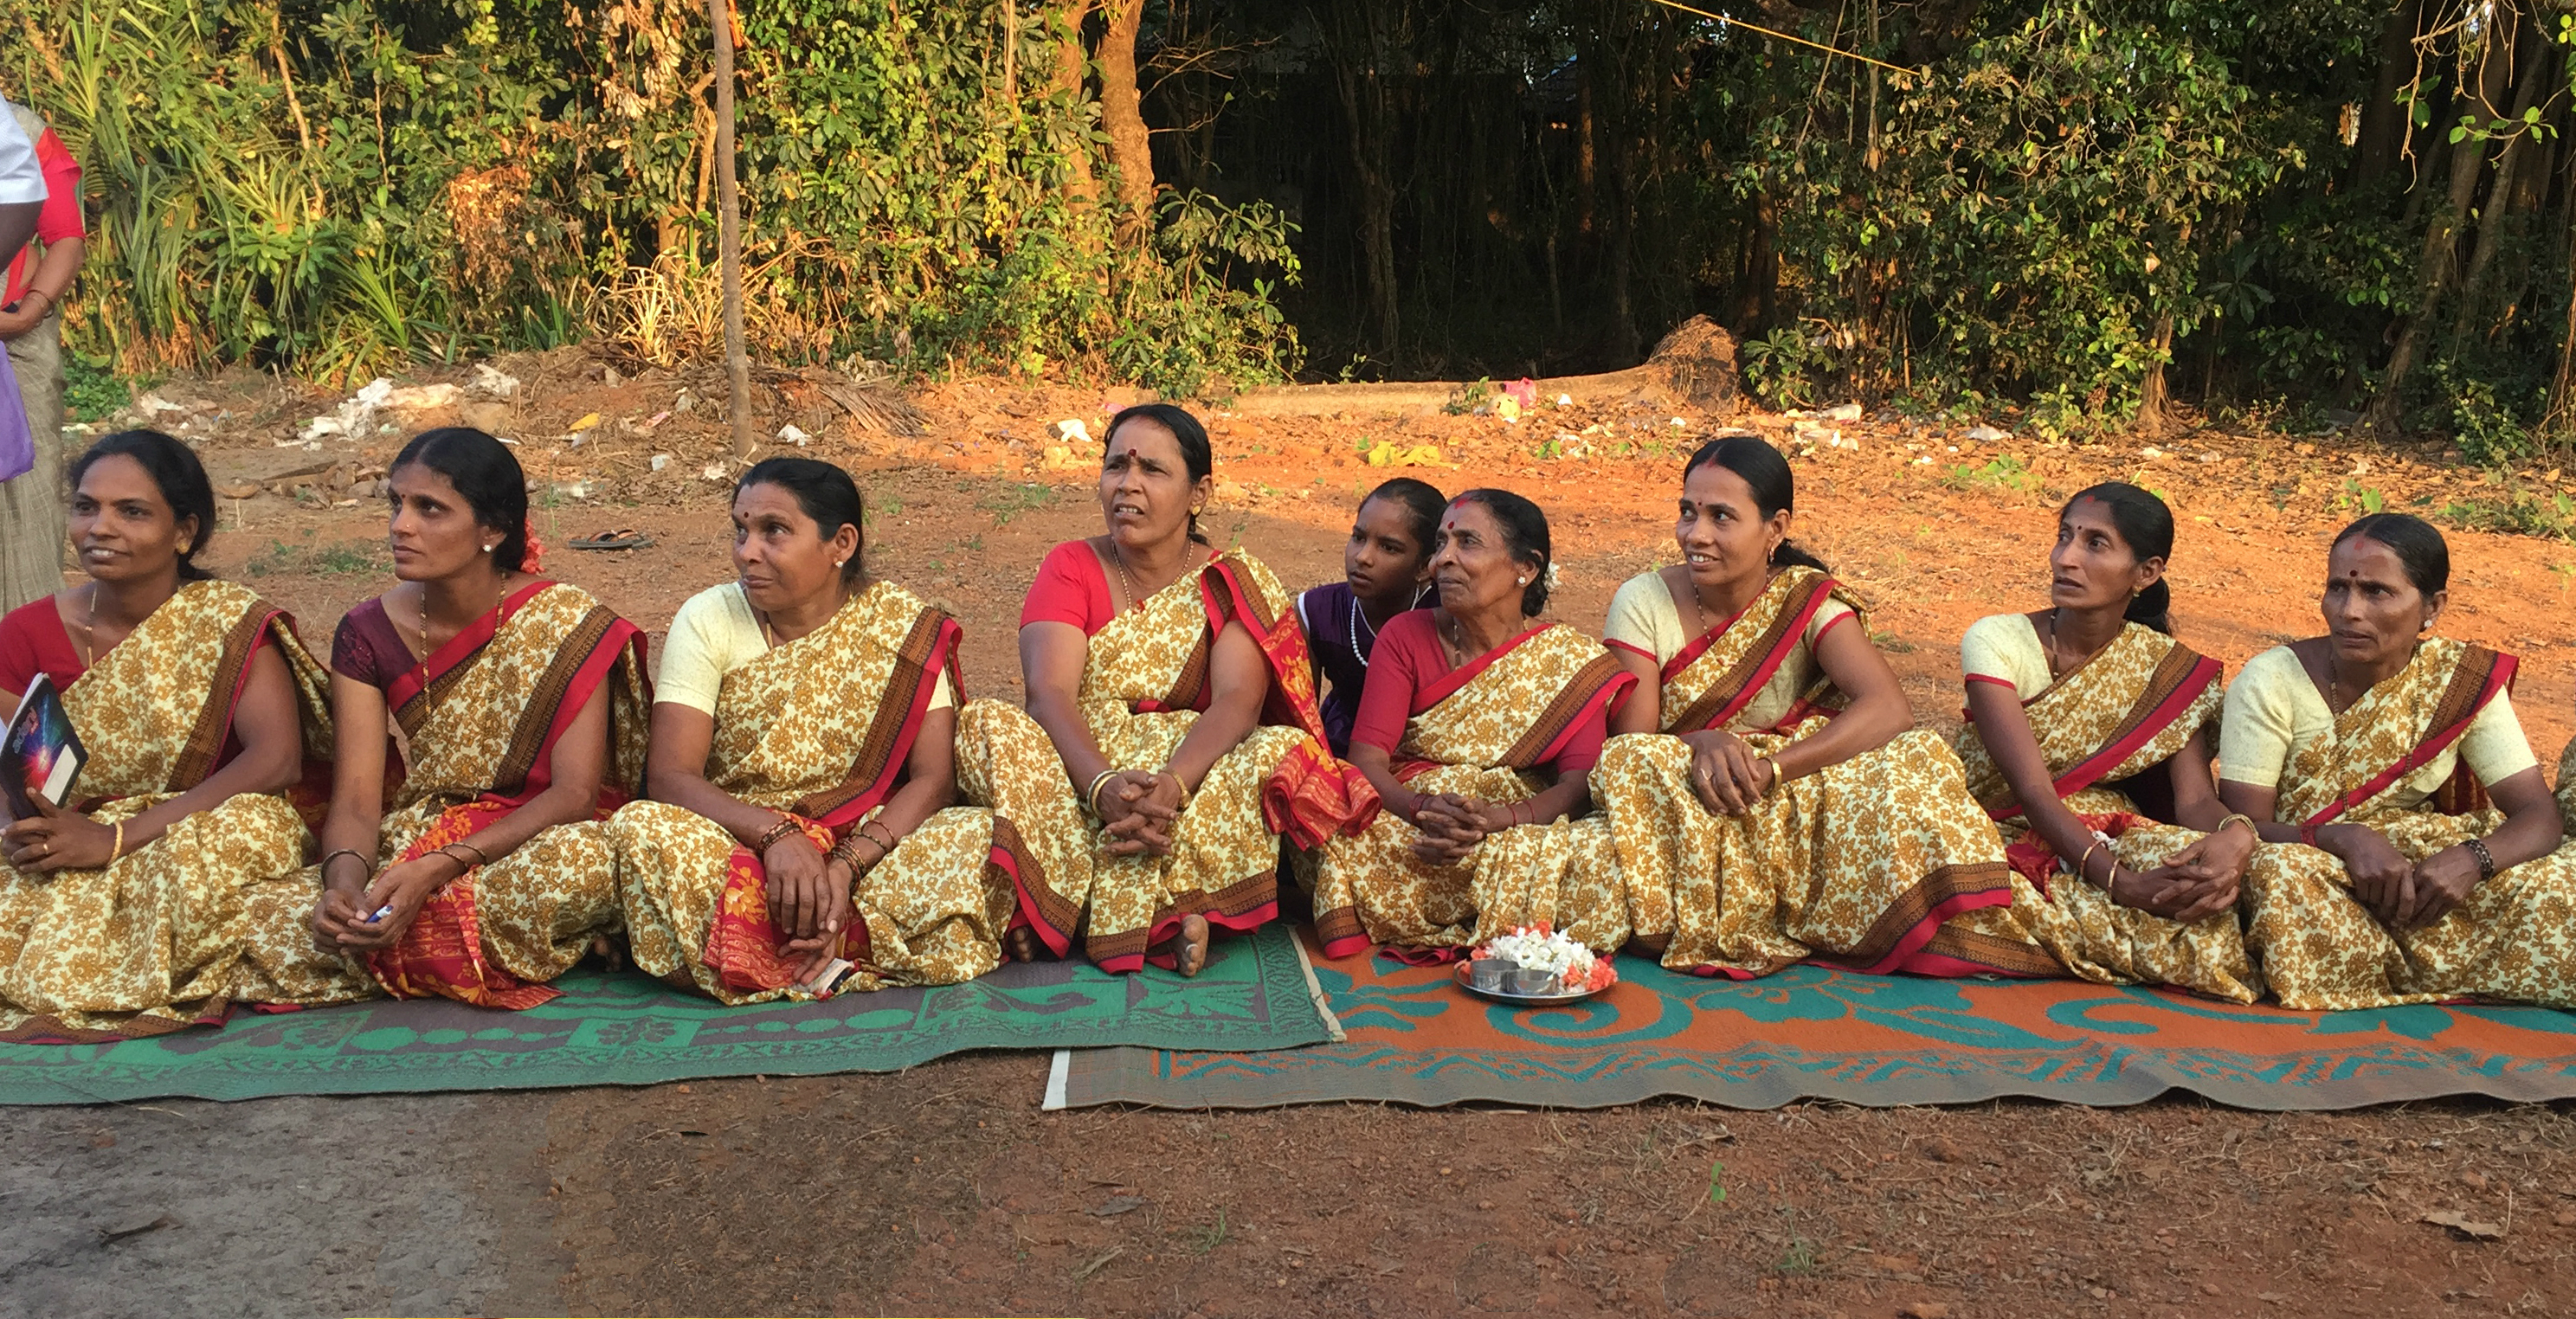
x,y
819,728
1493,725
479,721
1858,863
2513,938
213,911
2122,713
1144,677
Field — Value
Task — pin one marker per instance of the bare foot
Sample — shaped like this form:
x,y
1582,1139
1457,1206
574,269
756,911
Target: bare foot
x,y
607,950
1022,945
1190,956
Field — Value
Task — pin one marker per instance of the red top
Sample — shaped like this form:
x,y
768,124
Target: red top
x,y
368,648
61,217
1406,677
32,641
1070,588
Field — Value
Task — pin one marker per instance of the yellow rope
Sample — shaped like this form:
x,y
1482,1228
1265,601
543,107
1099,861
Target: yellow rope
x,y
1756,27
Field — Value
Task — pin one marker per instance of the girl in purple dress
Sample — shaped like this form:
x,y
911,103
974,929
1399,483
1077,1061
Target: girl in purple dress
x,y
1386,571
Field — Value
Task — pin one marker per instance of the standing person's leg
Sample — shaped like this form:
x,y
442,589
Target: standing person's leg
x,y
31,505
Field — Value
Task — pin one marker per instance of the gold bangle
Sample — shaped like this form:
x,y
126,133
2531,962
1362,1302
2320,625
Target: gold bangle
x,y
1091,795
116,850
2233,818
2084,864
1774,785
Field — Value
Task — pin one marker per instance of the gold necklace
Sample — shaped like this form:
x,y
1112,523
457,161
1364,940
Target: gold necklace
x,y
1118,558
500,597
89,629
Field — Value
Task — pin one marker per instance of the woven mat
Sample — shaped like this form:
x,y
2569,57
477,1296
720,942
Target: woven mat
x,y
628,1029
1811,1032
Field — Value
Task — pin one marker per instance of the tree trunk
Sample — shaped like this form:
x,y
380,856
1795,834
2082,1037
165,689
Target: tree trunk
x,y
746,435
1587,146
1122,113
2153,392
2383,120
1362,49
1069,68
2440,257
2562,388
2496,216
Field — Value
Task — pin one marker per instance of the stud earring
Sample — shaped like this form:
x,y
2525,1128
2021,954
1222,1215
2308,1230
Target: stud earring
x,y
1522,580
487,549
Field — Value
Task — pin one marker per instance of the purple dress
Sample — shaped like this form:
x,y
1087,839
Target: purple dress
x,y
1340,638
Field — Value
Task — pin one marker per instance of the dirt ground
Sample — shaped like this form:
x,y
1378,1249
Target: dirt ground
x,y
944,1191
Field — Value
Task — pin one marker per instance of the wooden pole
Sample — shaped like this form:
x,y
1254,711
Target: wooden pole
x,y
746,436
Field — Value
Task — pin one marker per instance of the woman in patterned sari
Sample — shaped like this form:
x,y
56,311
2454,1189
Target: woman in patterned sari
x,y
803,772
1171,733
2420,851
171,886
2088,742
477,867
1768,793
1477,730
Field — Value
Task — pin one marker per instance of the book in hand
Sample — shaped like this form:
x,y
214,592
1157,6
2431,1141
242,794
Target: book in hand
x,y
40,756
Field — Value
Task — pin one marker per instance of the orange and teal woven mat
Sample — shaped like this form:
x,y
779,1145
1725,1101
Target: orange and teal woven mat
x,y
1814,1033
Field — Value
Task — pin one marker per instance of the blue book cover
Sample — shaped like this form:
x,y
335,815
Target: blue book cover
x,y
41,756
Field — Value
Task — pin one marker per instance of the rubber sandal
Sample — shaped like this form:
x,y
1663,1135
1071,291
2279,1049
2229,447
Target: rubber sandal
x,y
624,538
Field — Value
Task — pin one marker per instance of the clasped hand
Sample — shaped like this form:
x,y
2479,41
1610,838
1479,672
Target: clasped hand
x,y
1137,810
809,902
347,920
1727,776
1452,826
2404,895
2197,882
57,839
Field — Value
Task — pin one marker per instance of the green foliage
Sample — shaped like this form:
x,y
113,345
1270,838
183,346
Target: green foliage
x,y
2002,473
1783,368
342,189
2488,432
92,389
2521,511
2041,205
1469,397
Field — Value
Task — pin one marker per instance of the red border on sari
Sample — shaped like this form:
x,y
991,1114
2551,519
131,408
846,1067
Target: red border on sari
x,y
2500,675
473,638
2087,772
1309,796
945,648
1790,639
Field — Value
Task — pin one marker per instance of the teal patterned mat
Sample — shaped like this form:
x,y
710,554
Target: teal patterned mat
x,y
628,1029
1812,1032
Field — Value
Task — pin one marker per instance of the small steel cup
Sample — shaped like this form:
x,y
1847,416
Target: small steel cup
x,y
1518,981
1487,973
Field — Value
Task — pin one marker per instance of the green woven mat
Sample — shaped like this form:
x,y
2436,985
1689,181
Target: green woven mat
x,y
628,1029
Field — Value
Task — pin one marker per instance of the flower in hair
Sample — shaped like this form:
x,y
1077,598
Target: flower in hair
x,y
528,558
1549,577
